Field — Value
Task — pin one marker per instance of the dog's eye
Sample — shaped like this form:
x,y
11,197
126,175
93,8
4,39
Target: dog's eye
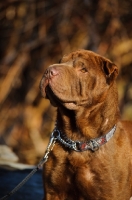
x,y
83,69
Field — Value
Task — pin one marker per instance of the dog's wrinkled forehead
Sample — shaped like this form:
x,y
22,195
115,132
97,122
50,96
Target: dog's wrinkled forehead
x,y
90,56
95,61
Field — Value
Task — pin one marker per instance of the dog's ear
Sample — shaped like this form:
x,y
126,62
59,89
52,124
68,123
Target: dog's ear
x,y
110,70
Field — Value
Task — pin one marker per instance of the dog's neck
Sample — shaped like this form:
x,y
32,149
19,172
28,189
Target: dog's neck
x,y
92,122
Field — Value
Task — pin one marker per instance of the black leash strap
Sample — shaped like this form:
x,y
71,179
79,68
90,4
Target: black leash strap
x,y
20,184
39,166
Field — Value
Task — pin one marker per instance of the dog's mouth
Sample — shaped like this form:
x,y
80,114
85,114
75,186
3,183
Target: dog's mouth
x,y
56,98
57,101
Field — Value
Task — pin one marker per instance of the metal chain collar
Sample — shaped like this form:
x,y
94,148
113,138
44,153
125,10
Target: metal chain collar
x,y
78,146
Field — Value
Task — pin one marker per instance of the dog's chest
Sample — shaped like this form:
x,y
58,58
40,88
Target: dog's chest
x,y
68,171
81,176
78,177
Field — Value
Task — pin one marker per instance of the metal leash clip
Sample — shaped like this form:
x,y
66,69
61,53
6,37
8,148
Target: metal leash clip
x,y
50,145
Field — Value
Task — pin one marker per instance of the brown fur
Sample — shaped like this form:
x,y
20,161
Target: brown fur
x,y
83,89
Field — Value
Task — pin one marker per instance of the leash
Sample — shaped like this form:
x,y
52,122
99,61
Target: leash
x,y
77,146
39,166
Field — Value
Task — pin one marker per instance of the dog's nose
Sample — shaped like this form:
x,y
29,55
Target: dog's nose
x,y
51,72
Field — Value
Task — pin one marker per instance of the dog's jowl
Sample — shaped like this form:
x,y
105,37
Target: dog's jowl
x,y
92,156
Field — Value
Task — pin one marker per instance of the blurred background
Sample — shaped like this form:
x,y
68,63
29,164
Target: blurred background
x,y
35,34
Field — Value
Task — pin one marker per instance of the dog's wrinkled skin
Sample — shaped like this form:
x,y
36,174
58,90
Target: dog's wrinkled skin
x,y
82,87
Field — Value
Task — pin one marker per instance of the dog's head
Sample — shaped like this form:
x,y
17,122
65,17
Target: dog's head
x,y
82,78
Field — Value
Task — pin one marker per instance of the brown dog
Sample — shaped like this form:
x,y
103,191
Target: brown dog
x,y
92,157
